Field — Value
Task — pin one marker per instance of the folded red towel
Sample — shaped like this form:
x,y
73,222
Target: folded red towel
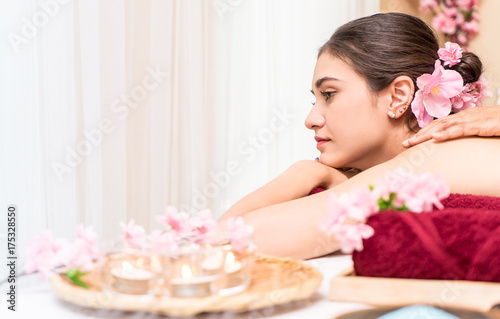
x,y
462,241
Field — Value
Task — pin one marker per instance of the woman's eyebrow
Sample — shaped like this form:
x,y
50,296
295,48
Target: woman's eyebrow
x,y
326,78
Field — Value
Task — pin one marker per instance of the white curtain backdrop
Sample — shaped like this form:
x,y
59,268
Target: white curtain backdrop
x,y
114,109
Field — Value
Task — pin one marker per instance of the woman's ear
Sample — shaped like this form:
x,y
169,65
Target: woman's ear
x,y
401,93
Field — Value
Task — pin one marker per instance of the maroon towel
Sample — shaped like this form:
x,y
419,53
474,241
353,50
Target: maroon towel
x,y
462,241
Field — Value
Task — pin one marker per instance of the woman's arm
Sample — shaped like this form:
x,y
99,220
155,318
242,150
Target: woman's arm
x,y
468,165
296,182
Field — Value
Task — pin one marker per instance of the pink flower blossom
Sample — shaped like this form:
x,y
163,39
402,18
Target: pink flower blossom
x,y
177,221
204,226
350,236
465,5
135,235
78,255
336,213
444,23
434,93
481,87
42,254
426,5
421,193
159,241
451,54
471,27
336,222
363,204
472,95
239,233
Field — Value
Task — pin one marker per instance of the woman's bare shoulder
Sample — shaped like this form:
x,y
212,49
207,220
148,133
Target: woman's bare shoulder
x,y
470,165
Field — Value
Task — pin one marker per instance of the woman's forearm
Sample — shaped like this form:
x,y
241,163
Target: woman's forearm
x,y
296,182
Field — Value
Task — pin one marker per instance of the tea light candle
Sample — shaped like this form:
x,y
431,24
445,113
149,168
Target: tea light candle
x,y
130,280
213,262
191,287
237,278
231,266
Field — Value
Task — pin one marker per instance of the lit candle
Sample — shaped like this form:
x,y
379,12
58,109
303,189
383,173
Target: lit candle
x,y
212,263
237,276
232,265
192,287
131,280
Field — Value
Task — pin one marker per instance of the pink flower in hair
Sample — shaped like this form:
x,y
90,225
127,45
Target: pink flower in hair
x,y
432,100
451,54
472,95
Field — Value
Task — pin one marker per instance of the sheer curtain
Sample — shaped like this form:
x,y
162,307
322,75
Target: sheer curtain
x,y
114,109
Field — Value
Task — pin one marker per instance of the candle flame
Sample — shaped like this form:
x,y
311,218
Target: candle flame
x,y
186,272
127,266
230,258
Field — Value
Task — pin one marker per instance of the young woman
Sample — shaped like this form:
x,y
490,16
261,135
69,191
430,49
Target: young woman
x,y
365,84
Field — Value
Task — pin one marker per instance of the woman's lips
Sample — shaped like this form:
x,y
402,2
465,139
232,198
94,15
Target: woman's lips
x,y
321,141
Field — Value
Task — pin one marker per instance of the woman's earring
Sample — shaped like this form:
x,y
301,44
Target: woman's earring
x,y
393,116
400,110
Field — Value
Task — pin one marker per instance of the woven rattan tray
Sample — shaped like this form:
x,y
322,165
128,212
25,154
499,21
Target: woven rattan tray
x,y
274,281
382,292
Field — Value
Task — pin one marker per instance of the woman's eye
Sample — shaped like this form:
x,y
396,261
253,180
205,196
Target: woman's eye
x,y
328,95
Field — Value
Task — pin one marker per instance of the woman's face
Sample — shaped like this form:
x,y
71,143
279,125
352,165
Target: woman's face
x,y
350,121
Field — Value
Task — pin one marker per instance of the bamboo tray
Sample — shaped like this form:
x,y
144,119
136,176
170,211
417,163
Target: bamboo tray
x,y
384,292
274,281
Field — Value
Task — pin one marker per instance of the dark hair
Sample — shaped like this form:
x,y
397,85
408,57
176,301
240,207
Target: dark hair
x,y
384,46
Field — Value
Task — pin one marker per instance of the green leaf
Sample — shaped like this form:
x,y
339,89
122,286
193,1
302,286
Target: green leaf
x,y
75,276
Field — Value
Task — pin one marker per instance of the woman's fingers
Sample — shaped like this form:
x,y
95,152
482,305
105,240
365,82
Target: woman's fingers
x,y
480,121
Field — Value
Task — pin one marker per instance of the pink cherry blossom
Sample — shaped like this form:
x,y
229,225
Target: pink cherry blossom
x,y
434,93
481,87
160,241
42,254
472,95
336,213
471,27
239,233
204,226
135,235
421,193
426,5
451,54
350,236
444,23
78,255
336,222
363,204
177,221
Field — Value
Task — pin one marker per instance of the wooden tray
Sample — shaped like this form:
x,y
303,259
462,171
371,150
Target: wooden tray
x,y
383,292
274,281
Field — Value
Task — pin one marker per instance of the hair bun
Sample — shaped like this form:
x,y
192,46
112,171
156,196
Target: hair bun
x,y
470,67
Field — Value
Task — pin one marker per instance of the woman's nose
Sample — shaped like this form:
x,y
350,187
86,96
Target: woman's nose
x,y
314,119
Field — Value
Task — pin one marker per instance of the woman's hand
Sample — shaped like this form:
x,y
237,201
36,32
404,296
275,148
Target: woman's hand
x,y
480,121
